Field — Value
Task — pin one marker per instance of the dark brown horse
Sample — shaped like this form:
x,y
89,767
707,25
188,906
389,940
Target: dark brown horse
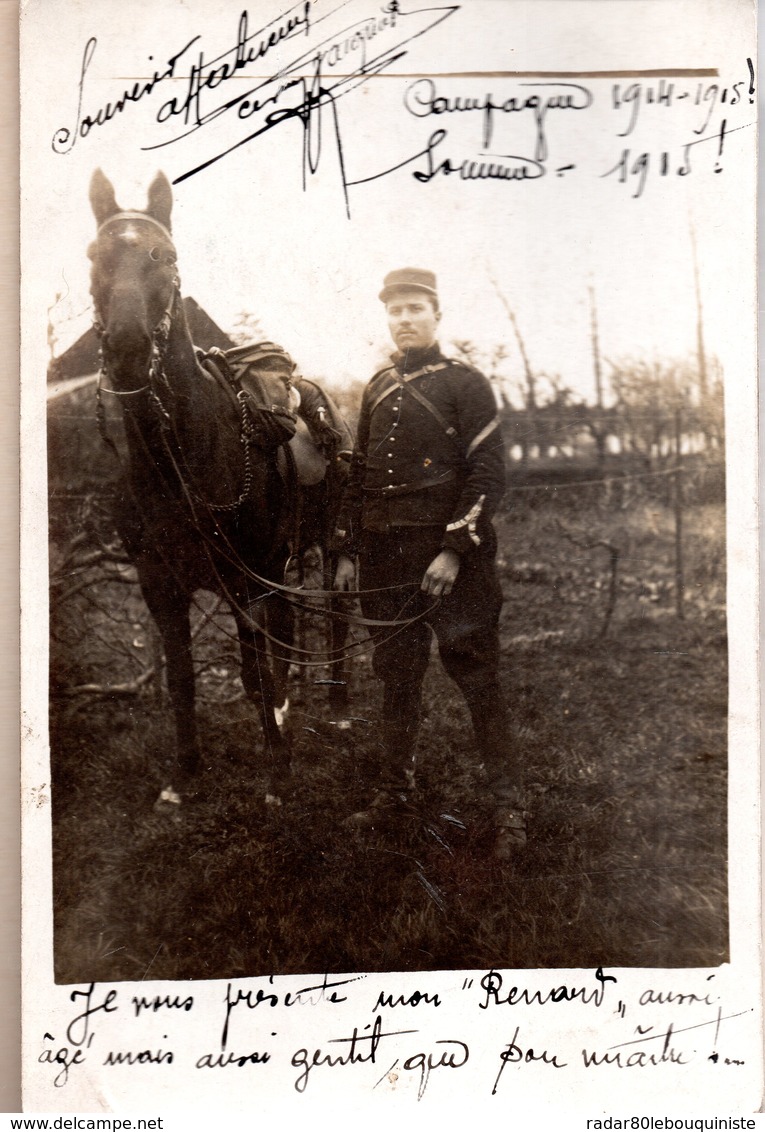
x,y
203,503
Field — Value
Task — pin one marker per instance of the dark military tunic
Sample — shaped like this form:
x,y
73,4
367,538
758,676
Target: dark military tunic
x,y
426,477
415,468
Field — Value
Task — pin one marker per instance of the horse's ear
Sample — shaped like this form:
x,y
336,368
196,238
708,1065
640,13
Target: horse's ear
x,y
102,199
161,200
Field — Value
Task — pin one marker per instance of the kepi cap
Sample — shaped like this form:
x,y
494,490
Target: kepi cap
x,y
408,279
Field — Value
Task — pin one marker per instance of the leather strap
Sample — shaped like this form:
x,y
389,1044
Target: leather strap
x,y
408,488
420,398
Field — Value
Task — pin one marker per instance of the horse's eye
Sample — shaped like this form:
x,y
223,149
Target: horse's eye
x,y
155,254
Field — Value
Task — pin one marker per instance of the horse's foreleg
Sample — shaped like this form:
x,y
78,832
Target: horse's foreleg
x,y
259,686
171,615
281,626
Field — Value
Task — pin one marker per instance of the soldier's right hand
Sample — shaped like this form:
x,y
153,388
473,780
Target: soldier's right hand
x,y
345,575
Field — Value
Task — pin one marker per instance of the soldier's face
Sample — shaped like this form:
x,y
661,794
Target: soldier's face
x,y
412,320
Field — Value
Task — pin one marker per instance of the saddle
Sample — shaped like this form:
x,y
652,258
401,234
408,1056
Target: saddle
x,y
310,462
296,447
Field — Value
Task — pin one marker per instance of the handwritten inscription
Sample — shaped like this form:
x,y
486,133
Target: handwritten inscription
x,y
164,1002
142,1057
201,77
226,1060
423,100
380,1054
492,983
416,998
78,1031
455,1055
666,94
516,1054
62,1058
358,1049
325,991
523,133
509,168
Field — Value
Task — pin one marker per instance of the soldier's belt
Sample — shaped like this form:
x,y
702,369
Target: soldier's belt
x,y
407,488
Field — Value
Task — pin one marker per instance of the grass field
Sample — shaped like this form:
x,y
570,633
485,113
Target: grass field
x,y
623,738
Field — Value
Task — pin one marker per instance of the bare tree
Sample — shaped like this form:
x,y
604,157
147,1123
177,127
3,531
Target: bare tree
x,y
488,362
531,395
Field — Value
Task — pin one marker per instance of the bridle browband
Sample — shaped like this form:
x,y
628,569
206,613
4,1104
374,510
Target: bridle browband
x,y
144,216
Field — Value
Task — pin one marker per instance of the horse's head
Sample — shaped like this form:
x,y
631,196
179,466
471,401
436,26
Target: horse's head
x,y
134,281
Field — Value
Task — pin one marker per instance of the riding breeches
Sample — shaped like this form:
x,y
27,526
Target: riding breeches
x,y
465,623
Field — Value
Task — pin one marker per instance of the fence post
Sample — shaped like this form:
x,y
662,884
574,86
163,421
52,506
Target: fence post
x,y
678,502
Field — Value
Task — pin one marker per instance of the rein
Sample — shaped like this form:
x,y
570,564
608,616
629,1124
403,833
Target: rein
x,y
156,375
159,341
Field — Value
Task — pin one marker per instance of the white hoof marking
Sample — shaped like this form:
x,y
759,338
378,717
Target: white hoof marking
x,y
281,713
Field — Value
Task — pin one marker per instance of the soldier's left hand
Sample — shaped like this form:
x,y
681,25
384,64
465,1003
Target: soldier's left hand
x,y
442,573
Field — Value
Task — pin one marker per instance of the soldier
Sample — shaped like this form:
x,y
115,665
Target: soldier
x,y
426,476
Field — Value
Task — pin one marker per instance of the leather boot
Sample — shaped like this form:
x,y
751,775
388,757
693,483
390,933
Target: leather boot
x,y
396,778
509,832
382,812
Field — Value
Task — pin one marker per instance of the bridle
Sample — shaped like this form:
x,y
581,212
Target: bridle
x,y
161,331
156,376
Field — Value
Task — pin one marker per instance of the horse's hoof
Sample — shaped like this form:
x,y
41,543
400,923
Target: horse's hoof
x,y
168,804
278,788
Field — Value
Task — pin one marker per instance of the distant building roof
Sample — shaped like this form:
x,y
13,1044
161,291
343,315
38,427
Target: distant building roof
x,y
82,357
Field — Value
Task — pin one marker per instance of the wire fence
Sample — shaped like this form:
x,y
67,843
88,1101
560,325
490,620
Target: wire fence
x,y
581,542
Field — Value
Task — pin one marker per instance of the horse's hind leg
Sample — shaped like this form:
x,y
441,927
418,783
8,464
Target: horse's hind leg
x,y
338,636
259,686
